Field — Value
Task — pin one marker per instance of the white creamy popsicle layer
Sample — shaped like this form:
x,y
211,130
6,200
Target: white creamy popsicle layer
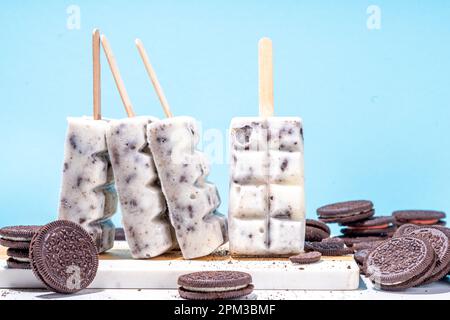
x,y
144,213
87,194
192,201
267,200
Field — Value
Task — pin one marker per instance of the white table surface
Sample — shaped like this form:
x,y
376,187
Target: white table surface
x,y
436,291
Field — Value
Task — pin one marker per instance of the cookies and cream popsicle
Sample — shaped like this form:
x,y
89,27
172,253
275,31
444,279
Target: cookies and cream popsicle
x,y
144,213
183,171
266,201
87,193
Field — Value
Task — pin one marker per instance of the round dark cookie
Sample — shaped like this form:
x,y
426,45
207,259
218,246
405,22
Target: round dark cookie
x,y
350,218
306,257
193,295
439,240
15,244
315,234
327,248
345,208
18,253
214,279
365,245
14,264
119,235
64,256
408,215
318,224
399,263
350,241
334,240
25,233
368,232
371,222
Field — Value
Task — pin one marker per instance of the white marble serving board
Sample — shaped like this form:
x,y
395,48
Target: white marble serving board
x,y
117,270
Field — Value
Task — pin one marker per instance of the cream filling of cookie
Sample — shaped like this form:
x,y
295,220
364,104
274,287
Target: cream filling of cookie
x,y
15,239
21,259
343,215
215,289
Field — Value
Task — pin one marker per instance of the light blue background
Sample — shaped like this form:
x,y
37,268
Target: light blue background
x,y
375,103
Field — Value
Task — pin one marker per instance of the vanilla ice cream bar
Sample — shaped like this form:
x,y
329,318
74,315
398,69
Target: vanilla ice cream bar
x,y
266,202
192,201
144,212
87,195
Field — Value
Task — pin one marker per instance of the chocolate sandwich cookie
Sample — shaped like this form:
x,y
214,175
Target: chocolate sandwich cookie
x,y
18,233
215,285
15,264
365,245
25,245
64,257
119,235
328,248
18,259
345,212
371,226
400,263
316,230
306,257
419,217
351,240
438,237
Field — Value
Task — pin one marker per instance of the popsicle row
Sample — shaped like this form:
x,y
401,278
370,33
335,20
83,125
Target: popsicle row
x,y
161,177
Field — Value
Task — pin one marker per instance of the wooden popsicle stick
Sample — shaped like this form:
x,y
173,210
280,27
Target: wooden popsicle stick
x,y
117,77
97,115
266,108
154,79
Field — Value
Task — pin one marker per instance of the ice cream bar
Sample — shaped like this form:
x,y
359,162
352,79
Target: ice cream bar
x,y
267,201
192,201
144,214
266,204
88,196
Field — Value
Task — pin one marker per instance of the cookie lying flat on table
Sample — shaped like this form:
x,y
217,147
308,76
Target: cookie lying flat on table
x,y
18,258
119,235
419,217
400,263
64,257
15,264
316,230
306,257
215,285
345,212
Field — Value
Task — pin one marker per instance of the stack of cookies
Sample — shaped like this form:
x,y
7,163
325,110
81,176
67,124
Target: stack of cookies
x,y
360,226
416,255
17,239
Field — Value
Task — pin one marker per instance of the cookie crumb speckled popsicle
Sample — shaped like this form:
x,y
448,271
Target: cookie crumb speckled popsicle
x,y
87,194
266,202
191,199
144,212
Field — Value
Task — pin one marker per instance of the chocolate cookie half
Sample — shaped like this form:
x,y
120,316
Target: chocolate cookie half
x,y
419,217
306,257
316,230
215,285
64,257
345,212
400,263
